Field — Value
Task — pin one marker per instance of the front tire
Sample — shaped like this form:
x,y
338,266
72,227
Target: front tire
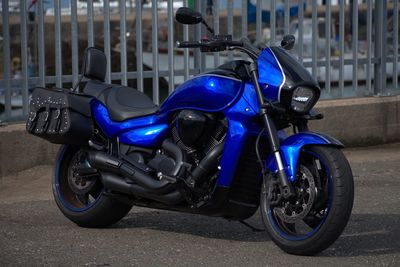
x,y
311,222
88,207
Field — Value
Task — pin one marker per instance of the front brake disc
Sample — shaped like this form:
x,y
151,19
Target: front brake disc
x,y
296,209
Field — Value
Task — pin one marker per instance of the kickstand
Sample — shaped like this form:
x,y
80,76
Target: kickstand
x,y
252,227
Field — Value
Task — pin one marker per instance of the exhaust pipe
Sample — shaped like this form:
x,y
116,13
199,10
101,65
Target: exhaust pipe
x,y
108,163
207,166
118,184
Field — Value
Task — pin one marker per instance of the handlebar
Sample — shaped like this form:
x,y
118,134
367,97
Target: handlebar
x,y
221,43
188,44
209,45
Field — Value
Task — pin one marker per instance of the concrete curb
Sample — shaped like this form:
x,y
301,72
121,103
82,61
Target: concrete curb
x,y
356,122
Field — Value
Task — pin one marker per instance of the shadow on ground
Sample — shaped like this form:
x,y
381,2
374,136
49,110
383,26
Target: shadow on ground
x,y
366,234
196,225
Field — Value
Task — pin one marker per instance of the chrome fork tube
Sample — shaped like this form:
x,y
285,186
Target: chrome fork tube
x,y
287,188
278,160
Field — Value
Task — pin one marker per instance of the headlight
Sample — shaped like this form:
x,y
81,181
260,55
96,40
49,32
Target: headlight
x,y
303,99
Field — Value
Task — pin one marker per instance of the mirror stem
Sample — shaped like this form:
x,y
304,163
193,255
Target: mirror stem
x,y
211,30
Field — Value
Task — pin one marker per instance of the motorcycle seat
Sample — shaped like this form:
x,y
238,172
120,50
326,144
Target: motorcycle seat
x,y
122,102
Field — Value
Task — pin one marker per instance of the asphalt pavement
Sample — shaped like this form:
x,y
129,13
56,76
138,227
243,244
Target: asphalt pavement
x,y
33,231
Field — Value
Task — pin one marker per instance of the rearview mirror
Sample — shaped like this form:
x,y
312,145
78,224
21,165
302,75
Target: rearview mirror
x,y
288,41
186,15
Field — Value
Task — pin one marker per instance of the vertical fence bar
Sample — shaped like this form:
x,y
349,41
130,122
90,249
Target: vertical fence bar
x,y
90,22
186,62
139,45
341,45
6,59
122,38
287,16
216,28
24,56
203,61
258,21
107,45
273,22
57,32
244,19
171,65
74,41
378,26
314,37
395,44
384,46
301,19
369,46
197,36
154,48
244,22
355,45
41,50
328,46
230,24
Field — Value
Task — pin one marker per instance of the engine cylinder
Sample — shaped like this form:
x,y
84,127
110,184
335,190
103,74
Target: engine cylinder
x,y
194,127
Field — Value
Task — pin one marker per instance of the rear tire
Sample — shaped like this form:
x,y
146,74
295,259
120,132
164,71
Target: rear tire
x,y
335,210
102,211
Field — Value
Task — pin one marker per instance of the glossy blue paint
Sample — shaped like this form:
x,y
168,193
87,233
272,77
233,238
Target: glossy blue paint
x,y
249,94
271,76
241,123
147,131
147,136
291,148
208,92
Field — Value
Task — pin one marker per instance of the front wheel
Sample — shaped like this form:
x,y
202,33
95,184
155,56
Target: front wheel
x,y
312,220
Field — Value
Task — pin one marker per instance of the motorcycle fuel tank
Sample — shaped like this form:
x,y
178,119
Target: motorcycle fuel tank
x,y
206,92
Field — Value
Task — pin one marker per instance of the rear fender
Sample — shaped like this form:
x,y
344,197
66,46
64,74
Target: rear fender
x,y
292,146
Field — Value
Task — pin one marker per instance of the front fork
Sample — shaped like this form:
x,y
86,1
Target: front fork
x,y
272,134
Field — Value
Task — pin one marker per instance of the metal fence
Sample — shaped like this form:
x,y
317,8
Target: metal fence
x,y
350,46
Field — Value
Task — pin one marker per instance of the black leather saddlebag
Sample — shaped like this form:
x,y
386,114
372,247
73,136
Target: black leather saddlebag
x,y
60,116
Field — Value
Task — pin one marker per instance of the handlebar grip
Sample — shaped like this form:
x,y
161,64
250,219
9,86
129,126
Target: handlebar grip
x,y
235,43
187,44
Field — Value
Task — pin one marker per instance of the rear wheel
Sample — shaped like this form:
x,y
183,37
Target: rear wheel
x,y
317,215
80,197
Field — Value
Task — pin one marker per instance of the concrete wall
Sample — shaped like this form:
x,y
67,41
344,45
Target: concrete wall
x,y
356,122
20,150
361,121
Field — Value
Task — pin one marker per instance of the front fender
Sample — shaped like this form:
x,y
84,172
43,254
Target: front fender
x,y
291,148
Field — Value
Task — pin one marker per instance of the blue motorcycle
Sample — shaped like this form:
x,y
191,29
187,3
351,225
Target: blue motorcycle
x,y
216,146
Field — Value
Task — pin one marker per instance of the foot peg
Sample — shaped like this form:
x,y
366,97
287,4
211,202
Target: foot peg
x,y
169,179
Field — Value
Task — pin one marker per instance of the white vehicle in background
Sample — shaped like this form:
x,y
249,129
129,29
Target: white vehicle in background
x,y
308,37
13,6
98,6
335,53
147,4
81,6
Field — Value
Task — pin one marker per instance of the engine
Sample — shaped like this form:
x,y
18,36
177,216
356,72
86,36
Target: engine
x,y
192,153
198,133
